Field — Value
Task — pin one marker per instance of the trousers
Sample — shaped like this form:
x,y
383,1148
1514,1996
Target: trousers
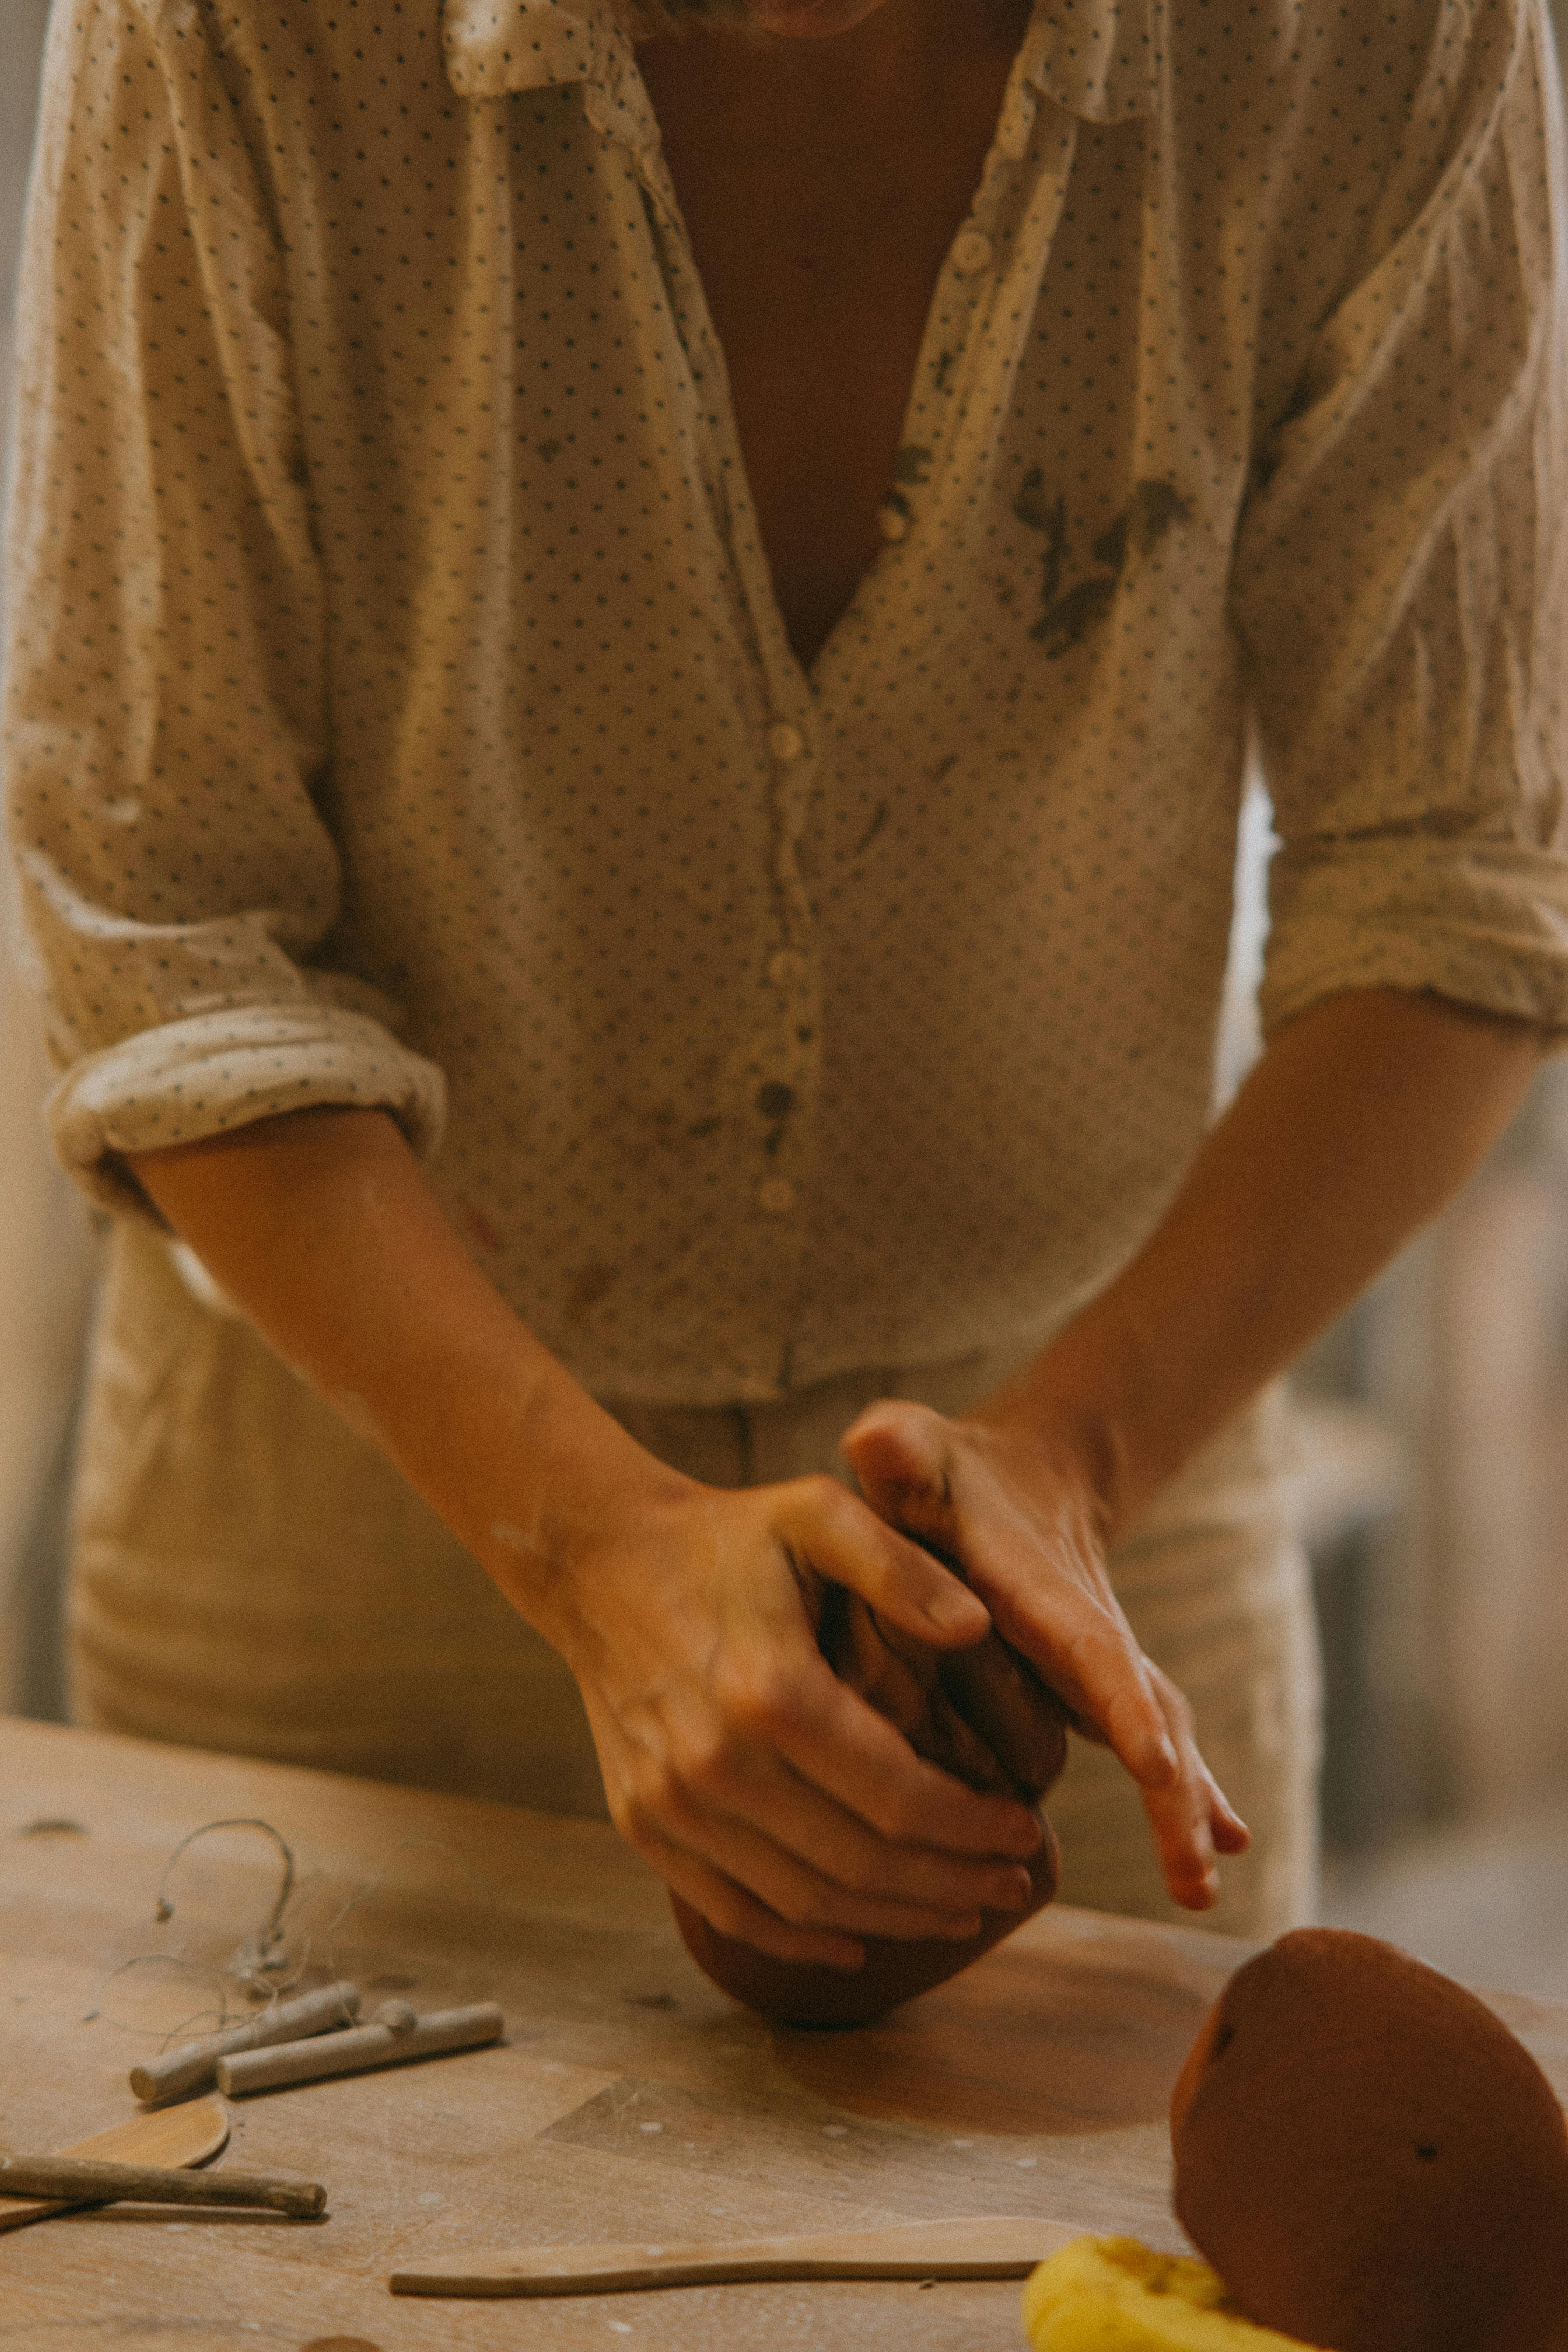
x,y
249,1574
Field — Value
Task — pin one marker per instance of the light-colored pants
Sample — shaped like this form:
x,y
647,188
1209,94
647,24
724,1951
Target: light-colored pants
x,y
250,1575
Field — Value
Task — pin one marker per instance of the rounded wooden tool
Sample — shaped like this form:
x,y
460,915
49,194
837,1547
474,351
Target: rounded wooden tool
x,y
986,2246
165,2135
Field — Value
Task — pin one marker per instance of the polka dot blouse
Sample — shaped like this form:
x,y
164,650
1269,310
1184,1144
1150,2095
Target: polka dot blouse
x,y
399,711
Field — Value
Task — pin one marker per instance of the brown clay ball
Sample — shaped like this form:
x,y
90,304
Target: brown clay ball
x,y
794,1993
1370,2160
980,1715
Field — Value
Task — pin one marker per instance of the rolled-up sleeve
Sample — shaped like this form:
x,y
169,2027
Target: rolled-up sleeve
x,y
166,733
1399,583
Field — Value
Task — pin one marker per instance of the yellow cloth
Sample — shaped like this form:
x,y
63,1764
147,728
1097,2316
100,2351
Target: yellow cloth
x,y
1112,2295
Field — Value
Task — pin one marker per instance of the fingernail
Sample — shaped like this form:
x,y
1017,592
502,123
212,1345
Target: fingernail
x,y
953,1610
1030,1835
1019,1888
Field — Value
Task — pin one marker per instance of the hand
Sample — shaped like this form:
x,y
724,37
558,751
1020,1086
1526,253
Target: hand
x,y
1021,1517
982,1713
768,1793
979,1713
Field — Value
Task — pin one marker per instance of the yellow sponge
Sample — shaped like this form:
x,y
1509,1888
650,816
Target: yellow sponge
x,y
1112,2295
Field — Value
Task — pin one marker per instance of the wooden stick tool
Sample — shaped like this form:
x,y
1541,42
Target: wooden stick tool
x,y
397,2036
194,2066
988,2246
82,2181
167,2135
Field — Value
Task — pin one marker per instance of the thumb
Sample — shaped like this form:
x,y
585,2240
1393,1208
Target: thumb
x,y
899,1451
843,1539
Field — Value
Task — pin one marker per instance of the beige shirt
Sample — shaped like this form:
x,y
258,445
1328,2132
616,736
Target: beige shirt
x,y
399,711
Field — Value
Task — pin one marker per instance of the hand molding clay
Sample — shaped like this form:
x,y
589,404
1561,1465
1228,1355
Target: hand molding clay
x,y
980,1714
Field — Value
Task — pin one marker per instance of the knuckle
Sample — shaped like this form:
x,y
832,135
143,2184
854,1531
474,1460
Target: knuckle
x,y
757,1696
635,1819
649,1799
701,1762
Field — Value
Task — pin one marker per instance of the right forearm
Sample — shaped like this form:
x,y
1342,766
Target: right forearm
x,y
322,1230
772,1798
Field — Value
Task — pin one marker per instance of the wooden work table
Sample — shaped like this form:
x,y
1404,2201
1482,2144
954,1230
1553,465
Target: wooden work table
x,y
628,2101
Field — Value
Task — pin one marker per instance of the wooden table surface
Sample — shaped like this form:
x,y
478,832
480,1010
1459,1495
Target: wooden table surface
x,y
629,2100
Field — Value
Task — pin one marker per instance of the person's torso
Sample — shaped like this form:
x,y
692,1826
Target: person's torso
x,y
792,1020
821,206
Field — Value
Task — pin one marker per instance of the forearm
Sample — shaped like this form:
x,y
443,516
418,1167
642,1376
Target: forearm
x,y
321,1228
1362,1118
771,1798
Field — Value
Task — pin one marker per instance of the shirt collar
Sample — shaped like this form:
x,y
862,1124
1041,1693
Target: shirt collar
x,y
493,47
1101,59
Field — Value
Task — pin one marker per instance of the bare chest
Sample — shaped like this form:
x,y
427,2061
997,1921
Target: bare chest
x,y
819,283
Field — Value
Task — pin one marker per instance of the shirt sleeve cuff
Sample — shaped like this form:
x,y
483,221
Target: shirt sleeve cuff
x,y
220,1070
1485,924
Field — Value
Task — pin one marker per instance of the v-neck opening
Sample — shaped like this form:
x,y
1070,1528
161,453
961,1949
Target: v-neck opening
x,y
1008,138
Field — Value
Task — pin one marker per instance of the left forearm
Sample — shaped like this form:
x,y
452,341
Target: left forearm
x,y
1363,1116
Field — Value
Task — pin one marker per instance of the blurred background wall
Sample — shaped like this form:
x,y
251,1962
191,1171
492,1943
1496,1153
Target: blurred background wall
x,y
45,1247
1434,1477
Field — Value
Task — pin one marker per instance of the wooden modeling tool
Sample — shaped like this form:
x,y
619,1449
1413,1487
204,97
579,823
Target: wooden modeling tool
x,y
397,2036
75,2180
990,2246
168,2137
194,2066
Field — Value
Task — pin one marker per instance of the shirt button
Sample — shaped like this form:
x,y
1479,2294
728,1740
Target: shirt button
x,y
892,524
786,967
777,1196
785,742
972,253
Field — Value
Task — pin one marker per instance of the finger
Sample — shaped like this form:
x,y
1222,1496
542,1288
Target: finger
x,y
792,1702
906,1681
773,1739
1184,1838
734,1912
900,1453
1071,1629
1082,1647
1021,1723
953,1742
794,1890
1231,1835
1193,1823
842,1537
808,1858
